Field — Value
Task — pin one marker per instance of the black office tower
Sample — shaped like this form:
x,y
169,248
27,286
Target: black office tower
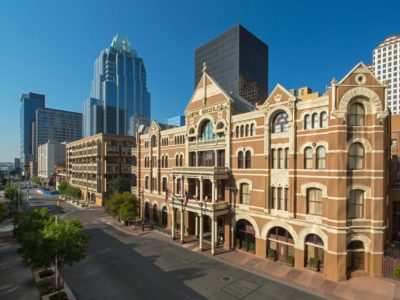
x,y
238,60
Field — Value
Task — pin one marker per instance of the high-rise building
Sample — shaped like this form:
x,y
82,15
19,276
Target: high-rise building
x,y
56,125
50,155
386,66
176,121
238,60
29,104
119,101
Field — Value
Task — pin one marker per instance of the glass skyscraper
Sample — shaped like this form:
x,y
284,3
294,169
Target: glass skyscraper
x,y
119,100
29,104
238,60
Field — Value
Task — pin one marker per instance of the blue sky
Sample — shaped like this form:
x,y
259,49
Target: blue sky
x,y
50,46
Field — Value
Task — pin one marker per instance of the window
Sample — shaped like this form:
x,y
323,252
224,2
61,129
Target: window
x,y
166,161
153,184
323,120
237,131
177,160
248,159
244,193
207,131
178,186
286,196
280,158
146,182
181,160
241,131
281,204
356,115
394,142
273,198
240,160
280,123
247,130
315,120
273,159
221,158
321,157
192,159
252,131
308,163
286,158
314,201
356,204
164,184
307,122
356,156
153,141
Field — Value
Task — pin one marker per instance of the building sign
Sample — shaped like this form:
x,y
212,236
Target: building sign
x,y
207,110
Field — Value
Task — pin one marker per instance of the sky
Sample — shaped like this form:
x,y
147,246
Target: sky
x,y
49,47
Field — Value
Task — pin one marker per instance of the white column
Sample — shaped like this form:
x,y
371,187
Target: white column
x,y
182,186
213,184
197,188
196,227
212,235
182,226
201,189
173,224
201,232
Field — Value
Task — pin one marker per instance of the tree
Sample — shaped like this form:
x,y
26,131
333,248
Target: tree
x,y
128,209
11,192
62,186
113,205
3,211
120,184
66,244
36,180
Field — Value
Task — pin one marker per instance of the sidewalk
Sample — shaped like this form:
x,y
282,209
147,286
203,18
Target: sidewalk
x,y
16,279
363,288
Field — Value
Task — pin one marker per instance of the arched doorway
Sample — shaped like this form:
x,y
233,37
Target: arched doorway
x,y
245,236
280,245
355,256
146,211
164,217
314,247
93,198
88,199
155,213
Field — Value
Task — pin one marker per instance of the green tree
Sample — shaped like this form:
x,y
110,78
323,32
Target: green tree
x,y
62,187
72,192
128,209
113,205
66,244
11,192
36,180
120,184
3,211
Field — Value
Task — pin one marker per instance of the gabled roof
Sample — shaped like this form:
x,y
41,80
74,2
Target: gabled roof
x,y
281,88
238,102
367,70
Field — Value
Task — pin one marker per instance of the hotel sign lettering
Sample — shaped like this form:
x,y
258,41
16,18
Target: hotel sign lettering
x,y
207,110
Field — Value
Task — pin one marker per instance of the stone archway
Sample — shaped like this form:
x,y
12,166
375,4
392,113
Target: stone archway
x,y
245,235
147,211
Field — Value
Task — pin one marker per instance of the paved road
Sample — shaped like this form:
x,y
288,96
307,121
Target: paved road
x,y
121,266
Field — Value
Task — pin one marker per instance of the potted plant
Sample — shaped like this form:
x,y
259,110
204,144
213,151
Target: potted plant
x,y
272,254
290,260
314,264
252,247
245,245
237,243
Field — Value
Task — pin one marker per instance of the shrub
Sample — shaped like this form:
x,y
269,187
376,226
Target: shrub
x,y
271,253
245,245
237,242
290,260
396,271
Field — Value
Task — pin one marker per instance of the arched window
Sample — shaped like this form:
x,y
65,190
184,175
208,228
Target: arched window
x,y
164,184
314,201
241,131
248,159
355,206
307,122
356,255
207,131
244,193
166,161
162,161
237,131
315,120
240,160
321,157
280,123
153,141
308,163
356,156
252,131
247,130
177,160
356,115
146,182
181,160
323,120
134,161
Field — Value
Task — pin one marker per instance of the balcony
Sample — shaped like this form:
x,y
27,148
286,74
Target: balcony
x,y
212,171
203,144
206,207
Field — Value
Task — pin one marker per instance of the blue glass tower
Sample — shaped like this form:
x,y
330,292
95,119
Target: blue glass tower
x,y
29,104
119,101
